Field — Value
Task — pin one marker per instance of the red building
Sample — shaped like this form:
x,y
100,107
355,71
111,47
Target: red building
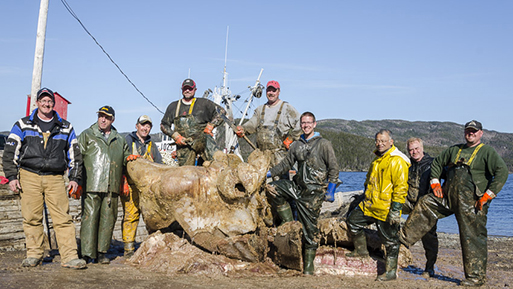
x,y
61,105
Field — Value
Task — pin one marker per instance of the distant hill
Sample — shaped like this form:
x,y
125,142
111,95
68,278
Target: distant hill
x,y
358,136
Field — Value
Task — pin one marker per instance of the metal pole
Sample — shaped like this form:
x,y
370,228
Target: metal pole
x,y
37,72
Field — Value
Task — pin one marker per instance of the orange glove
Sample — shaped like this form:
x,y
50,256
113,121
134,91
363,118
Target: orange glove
x,y
173,155
240,131
287,143
179,139
484,199
437,190
208,129
126,187
132,157
76,194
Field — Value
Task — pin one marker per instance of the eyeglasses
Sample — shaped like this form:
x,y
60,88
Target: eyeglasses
x,y
380,141
306,122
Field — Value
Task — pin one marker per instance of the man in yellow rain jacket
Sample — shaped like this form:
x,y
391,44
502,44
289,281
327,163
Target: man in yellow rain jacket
x,y
386,188
139,143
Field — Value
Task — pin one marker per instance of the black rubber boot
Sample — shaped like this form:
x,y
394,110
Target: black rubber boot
x,y
285,213
360,247
308,262
103,259
391,270
129,249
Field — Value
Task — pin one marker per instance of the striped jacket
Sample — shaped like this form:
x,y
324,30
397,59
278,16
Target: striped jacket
x,y
25,148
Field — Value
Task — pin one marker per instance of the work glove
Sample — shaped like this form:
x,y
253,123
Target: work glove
x,y
179,139
208,129
488,195
271,190
330,193
240,131
75,194
268,175
126,187
437,188
132,157
3,180
287,143
394,214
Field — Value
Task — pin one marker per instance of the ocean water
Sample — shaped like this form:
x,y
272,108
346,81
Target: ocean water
x,y
500,213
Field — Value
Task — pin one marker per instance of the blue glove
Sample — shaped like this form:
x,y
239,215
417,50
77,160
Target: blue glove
x,y
330,194
268,174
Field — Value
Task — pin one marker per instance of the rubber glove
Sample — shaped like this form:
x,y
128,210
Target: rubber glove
x,y
240,131
208,129
126,187
268,175
330,193
75,194
287,143
3,180
179,139
132,157
488,195
437,188
394,214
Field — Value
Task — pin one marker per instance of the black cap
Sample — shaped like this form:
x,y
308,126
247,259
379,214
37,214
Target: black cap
x,y
45,92
108,110
474,124
188,82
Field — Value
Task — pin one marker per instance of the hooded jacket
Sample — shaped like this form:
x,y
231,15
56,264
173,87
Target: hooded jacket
x,y
104,160
136,147
387,182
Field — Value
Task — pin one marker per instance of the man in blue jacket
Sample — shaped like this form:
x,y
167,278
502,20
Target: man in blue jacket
x,y
38,152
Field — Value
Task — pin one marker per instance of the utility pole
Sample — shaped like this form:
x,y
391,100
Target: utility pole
x,y
37,72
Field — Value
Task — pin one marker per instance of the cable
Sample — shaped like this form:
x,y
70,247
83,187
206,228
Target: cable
x,y
101,47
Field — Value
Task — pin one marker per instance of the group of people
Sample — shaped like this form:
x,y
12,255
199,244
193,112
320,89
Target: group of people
x,y
462,180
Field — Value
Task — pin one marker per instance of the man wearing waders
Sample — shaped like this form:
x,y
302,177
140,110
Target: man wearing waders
x,y
475,174
386,187
275,123
140,145
104,152
418,186
194,119
317,171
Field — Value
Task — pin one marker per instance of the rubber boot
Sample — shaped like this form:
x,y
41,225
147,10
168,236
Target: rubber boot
x,y
285,213
360,247
391,269
308,262
129,249
103,259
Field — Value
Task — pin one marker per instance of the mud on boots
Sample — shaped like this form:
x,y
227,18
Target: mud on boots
x,y
285,213
360,247
392,254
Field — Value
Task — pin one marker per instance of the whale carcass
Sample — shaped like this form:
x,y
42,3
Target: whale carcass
x,y
218,205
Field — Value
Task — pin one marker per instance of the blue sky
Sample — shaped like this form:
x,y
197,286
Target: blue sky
x,y
359,60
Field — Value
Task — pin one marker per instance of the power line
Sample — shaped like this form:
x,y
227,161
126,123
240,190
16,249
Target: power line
x,y
101,47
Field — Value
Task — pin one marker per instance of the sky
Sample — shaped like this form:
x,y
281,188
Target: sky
x,y
356,60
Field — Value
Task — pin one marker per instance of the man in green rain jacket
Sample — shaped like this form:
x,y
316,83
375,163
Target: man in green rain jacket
x,y
104,152
475,175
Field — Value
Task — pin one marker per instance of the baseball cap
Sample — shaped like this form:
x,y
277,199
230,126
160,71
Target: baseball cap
x,y
274,84
189,82
45,92
474,124
144,119
108,110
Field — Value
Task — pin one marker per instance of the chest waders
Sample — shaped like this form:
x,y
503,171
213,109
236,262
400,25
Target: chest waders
x,y
202,144
269,138
460,196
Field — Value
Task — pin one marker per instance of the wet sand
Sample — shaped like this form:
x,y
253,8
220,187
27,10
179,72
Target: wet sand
x,y
449,272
